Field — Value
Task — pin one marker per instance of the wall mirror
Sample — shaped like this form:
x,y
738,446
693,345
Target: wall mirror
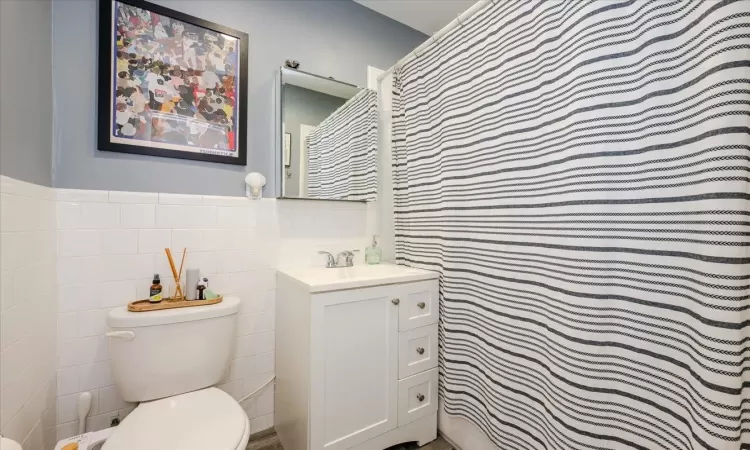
x,y
328,142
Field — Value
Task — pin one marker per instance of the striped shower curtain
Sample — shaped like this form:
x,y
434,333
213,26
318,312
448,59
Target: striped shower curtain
x,y
577,171
342,151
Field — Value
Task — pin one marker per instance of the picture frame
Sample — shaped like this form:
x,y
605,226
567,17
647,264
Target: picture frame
x,y
287,149
170,84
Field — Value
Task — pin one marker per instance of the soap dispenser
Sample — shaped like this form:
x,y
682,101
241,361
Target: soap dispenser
x,y
373,253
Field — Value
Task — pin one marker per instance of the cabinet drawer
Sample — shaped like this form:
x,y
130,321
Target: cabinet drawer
x,y
417,350
418,305
417,396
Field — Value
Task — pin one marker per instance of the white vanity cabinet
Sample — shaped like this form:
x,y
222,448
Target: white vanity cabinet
x,y
356,357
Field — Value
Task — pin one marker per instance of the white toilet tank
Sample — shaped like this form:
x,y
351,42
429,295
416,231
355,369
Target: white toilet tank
x,y
159,354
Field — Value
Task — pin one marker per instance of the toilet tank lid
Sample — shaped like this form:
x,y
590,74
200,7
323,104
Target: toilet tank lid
x,y
122,318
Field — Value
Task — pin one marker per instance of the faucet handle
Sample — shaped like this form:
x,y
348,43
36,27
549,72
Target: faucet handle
x,y
349,255
331,260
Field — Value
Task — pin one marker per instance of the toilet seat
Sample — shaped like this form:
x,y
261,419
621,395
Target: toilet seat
x,y
199,420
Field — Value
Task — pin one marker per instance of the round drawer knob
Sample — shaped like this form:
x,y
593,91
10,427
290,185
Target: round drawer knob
x,y
420,350
395,301
420,397
421,305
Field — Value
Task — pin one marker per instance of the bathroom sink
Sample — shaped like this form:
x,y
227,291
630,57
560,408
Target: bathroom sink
x,y
321,279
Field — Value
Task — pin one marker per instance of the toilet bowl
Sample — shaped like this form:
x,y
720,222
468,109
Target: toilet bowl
x,y
200,420
168,361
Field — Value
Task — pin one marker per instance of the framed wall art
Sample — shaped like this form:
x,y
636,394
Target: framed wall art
x,y
170,84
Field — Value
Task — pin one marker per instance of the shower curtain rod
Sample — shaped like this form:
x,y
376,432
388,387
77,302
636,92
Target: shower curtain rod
x,y
460,20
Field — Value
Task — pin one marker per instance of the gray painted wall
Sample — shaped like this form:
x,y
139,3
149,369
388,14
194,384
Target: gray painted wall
x,y
26,90
337,38
303,106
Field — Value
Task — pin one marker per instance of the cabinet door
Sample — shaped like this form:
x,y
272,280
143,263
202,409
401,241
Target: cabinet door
x,y
418,304
354,366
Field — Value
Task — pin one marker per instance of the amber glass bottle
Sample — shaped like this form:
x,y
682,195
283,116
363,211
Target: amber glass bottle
x,y
154,295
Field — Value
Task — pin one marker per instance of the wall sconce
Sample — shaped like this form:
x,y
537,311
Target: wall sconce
x,y
255,183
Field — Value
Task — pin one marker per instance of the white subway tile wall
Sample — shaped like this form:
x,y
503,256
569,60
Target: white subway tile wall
x,y
111,243
28,313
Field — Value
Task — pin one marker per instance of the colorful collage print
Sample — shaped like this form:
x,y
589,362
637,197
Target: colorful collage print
x,y
175,84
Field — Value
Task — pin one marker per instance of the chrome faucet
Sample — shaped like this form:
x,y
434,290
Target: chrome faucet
x,y
332,262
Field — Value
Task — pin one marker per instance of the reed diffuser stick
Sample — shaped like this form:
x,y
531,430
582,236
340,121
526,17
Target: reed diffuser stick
x,y
179,274
178,293
182,263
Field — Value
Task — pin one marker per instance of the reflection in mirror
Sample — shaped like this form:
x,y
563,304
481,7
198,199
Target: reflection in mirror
x,y
329,138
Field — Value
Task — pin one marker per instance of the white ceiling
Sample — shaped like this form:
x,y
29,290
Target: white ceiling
x,y
427,16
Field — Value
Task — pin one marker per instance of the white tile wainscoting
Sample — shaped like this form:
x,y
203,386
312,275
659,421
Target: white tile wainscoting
x,y
28,309
111,243
108,246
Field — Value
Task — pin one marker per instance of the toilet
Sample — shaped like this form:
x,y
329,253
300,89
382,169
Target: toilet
x,y
8,444
168,361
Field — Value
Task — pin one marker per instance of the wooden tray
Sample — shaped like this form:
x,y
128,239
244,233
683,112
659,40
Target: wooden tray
x,y
168,303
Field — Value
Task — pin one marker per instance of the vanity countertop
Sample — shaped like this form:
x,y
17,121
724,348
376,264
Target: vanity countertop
x,y
322,279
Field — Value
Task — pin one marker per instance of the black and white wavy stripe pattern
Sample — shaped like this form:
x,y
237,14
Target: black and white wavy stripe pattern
x,y
578,173
342,151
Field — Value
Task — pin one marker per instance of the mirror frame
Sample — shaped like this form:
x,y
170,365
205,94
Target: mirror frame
x,y
279,136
